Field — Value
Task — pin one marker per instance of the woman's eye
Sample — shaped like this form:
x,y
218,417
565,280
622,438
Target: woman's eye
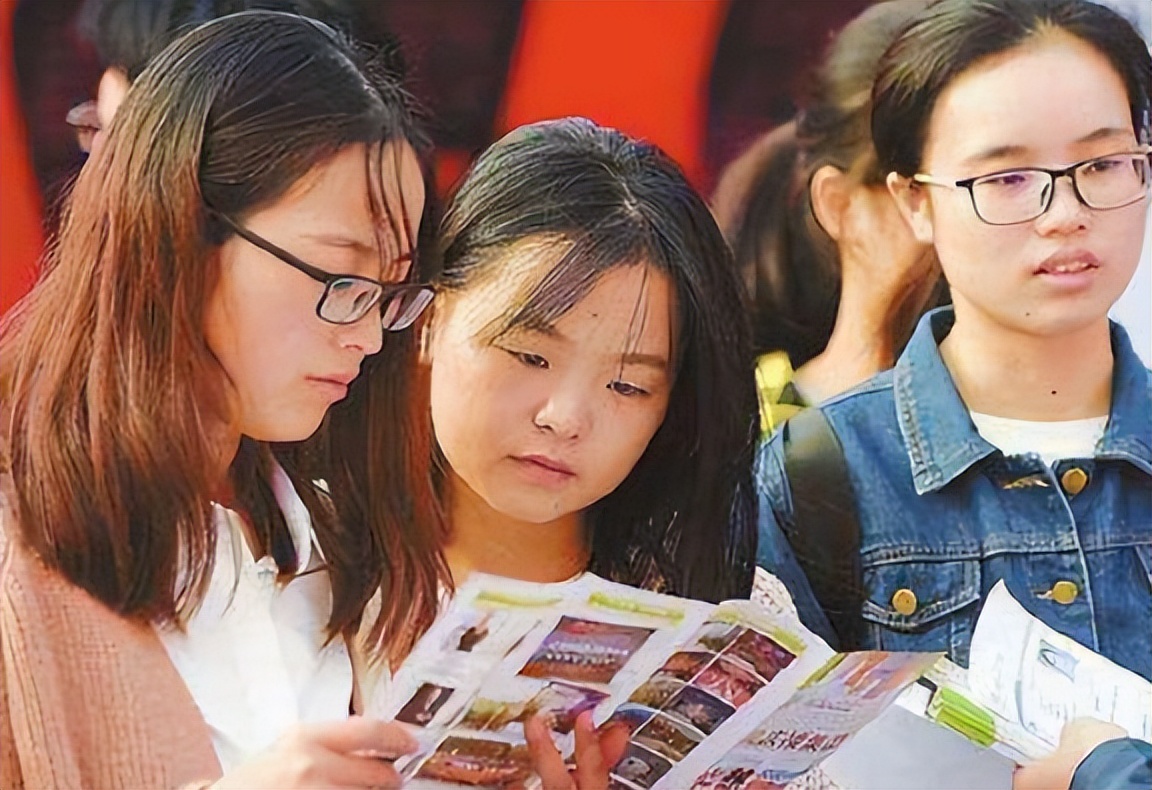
x,y
626,389
1103,165
530,360
1008,180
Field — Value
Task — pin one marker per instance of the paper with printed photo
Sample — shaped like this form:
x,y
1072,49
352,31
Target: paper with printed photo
x,y
1028,672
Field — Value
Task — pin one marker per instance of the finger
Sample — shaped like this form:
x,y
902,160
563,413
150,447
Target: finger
x,y
546,757
1090,731
343,770
591,770
368,736
1037,776
613,743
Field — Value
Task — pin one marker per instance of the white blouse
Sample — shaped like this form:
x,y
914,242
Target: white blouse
x,y
253,655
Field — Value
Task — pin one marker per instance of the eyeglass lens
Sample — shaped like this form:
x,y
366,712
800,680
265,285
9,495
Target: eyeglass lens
x,y
404,307
1021,195
350,300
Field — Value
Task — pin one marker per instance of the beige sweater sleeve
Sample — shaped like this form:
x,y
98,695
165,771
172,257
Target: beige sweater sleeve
x,y
10,776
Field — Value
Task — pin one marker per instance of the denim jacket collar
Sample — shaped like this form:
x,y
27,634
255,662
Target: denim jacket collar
x,y
938,432
1128,436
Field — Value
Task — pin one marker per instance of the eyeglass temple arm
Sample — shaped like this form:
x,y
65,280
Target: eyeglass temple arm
x,y
923,178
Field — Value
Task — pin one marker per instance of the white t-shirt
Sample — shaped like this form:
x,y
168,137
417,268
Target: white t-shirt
x,y
1052,441
253,656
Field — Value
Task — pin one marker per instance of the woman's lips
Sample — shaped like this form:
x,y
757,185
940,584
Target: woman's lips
x,y
1072,269
336,387
1068,262
544,470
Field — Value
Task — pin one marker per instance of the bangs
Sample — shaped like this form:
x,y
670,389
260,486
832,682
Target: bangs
x,y
573,276
396,239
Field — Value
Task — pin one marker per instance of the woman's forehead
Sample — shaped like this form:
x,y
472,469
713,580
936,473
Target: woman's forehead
x,y
1054,90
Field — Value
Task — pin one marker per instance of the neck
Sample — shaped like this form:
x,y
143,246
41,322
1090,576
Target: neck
x,y
1022,376
484,540
223,493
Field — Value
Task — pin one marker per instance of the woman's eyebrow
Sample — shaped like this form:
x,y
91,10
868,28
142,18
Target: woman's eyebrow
x,y
658,361
1000,151
995,152
341,240
1105,132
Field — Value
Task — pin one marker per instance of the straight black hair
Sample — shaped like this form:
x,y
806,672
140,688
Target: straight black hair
x,y
952,35
684,518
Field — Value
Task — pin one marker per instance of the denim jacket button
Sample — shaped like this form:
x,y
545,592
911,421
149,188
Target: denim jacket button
x,y
904,602
1073,480
1064,592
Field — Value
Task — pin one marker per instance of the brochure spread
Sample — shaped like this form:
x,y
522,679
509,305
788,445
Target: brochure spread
x,y
722,696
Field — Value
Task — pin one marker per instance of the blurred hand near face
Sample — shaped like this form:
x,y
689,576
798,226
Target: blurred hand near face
x,y
884,268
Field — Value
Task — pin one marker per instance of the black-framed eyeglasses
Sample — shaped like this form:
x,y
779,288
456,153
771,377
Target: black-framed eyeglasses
x,y
1009,197
348,297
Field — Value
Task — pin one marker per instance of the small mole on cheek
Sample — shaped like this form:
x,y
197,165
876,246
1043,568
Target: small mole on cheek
x,y
1053,392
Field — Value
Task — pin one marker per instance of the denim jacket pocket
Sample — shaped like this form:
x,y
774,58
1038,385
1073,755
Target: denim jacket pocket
x,y
922,605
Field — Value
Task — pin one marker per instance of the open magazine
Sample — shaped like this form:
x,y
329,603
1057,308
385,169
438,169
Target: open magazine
x,y
715,696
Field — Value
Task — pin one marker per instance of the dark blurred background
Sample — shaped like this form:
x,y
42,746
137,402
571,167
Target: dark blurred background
x,y
462,55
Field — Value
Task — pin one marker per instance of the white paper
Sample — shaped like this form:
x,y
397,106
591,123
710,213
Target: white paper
x,y
1028,672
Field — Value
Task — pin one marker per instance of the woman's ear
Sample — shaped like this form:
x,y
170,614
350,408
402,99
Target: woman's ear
x,y
110,93
912,201
829,191
426,329
431,326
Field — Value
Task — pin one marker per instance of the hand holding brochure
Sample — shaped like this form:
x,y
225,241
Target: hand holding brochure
x,y
735,696
707,691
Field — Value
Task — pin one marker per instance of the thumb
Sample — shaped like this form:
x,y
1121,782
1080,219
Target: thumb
x,y
367,736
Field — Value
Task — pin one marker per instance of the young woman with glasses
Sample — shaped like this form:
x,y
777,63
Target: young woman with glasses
x,y
1012,440
193,514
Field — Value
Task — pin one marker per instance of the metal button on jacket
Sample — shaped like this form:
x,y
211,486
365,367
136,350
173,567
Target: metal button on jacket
x,y
1073,480
1065,592
904,602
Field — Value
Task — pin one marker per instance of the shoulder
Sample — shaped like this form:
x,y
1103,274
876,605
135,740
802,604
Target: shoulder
x,y
876,394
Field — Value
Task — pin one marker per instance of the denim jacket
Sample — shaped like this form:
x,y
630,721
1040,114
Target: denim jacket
x,y
944,514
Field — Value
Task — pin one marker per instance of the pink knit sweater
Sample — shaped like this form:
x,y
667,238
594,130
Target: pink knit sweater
x,y
88,699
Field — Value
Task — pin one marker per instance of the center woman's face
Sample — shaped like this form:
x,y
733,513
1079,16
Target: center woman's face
x,y
540,424
1052,102
285,365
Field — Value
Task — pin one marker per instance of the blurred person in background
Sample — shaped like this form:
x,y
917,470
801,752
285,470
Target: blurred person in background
x,y
836,278
127,34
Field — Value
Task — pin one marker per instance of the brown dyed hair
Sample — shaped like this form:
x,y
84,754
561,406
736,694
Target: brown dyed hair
x,y
110,392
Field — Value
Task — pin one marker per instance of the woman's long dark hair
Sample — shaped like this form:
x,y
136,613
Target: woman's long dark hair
x,y
684,518
789,262
109,390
